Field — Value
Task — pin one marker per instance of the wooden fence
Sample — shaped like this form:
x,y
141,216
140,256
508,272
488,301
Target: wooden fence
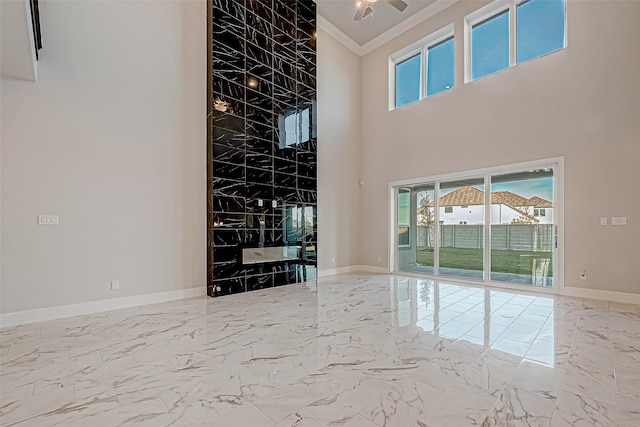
x,y
515,237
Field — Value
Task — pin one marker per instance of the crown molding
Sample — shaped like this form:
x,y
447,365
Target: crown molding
x,y
436,7
336,33
418,18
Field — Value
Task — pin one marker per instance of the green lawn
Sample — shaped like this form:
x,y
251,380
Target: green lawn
x,y
517,262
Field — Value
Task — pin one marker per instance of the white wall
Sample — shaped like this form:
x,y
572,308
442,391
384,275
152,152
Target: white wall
x,y
582,103
17,43
113,139
338,154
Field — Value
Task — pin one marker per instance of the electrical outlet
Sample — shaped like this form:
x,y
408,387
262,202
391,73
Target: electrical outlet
x,y
380,259
48,220
583,275
333,260
603,221
619,220
115,284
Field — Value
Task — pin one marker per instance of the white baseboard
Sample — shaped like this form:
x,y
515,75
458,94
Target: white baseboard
x,y
83,308
334,271
372,269
352,269
621,297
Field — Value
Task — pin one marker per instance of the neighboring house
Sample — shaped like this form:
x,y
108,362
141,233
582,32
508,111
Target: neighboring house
x,y
466,206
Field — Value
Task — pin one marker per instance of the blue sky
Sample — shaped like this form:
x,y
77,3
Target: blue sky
x,y
540,30
408,80
541,187
441,68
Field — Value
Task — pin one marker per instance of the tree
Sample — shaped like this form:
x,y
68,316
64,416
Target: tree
x,y
425,213
523,217
425,216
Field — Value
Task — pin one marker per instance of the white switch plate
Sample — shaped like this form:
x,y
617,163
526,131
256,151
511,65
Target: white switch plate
x,y
115,284
619,220
274,204
48,220
260,202
603,221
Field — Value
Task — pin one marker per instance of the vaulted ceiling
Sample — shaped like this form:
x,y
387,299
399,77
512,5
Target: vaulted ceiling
x,y
340,14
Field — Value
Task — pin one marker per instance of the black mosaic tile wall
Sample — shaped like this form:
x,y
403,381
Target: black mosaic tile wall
x,y
261,140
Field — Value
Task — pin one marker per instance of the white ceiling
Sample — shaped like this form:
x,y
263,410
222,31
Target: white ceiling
x,y
340,13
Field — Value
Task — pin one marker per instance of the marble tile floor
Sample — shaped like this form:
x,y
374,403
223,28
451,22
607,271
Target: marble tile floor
x,y
348,350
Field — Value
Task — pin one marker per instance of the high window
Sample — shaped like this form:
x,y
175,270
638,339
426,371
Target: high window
x,y
503,34
408,80
422,69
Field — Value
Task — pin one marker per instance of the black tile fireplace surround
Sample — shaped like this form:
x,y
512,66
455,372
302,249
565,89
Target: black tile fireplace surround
x,y
262,148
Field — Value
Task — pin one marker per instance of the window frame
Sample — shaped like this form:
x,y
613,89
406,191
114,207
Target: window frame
x,y
486,13
421,47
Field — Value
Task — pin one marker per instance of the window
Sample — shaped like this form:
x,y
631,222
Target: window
x,y
422,69
448,209
404,216
408,80
490,45
539,212
540,28
503,34
440,67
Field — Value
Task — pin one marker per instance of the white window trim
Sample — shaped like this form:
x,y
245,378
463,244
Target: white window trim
x,y
487,12
419,47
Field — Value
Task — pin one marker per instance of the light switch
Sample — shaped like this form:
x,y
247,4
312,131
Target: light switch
x,y
603,221
619,220
260,203
274,204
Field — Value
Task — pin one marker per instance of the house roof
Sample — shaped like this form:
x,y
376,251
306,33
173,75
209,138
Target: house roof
x,y
468,196
539,202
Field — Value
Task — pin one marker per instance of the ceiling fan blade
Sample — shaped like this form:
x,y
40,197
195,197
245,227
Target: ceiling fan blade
x,y
398,4
363,10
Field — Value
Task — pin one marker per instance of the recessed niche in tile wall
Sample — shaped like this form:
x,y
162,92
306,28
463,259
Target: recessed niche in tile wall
x,y
262,149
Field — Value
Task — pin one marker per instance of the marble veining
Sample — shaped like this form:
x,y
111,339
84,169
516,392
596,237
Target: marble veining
x,y
349,350
262,146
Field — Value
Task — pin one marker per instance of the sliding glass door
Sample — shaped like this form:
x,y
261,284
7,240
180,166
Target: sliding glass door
x,y
416,232
495,226
522,229
461,220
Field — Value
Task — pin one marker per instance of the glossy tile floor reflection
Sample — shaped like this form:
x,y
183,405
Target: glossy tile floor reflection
x,y
358,350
